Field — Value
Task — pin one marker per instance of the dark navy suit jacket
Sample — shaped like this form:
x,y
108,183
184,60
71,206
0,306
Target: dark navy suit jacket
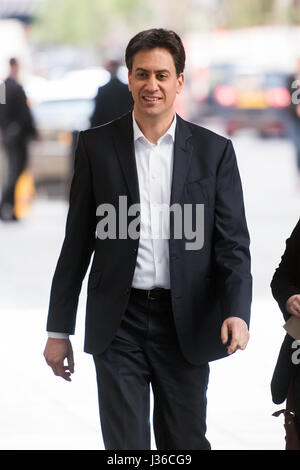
x,y
207,285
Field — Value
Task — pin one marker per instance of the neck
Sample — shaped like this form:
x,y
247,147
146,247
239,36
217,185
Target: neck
x,y
154,127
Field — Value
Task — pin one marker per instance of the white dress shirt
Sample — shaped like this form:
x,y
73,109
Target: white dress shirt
x,y
154,167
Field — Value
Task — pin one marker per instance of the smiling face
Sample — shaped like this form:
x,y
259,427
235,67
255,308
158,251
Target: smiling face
x,y
154,84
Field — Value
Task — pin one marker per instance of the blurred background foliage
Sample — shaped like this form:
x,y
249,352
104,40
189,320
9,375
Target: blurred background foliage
x,y
83,22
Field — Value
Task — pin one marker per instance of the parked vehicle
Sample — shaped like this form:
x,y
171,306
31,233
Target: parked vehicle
x,y
58,122
204,81
244,98
65,109
254,100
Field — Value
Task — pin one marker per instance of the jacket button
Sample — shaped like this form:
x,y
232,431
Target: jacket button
x,y
126,291
134,250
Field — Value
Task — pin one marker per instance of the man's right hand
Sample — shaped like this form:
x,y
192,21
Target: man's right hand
x,y
56,351
293,305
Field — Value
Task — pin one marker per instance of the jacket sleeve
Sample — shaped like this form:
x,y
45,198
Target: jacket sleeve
x,y
285,282
77,248
231,239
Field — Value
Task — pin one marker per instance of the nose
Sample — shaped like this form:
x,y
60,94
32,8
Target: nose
x,y
152,84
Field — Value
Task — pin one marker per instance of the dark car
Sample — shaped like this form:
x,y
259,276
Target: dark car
x,y
254,100
203,102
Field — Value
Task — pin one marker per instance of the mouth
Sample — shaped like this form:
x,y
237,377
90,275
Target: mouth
x,y
151,99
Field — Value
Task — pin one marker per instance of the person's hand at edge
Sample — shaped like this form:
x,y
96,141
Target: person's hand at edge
x,y
293,305
55,353
236,329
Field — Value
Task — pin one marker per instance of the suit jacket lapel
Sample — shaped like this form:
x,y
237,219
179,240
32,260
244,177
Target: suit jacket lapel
x,y
183,150
123,137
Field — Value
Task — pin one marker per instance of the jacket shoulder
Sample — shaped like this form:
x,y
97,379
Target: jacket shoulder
x,y
106,130
208,134
100,130
201,133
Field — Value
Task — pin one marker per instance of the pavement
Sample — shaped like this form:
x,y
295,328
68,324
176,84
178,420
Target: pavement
x,y
42,412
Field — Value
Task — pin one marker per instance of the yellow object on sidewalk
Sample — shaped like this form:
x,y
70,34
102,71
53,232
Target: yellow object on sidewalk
x,y
24,194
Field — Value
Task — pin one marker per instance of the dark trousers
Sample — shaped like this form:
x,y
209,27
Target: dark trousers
x,y
16,153
145,351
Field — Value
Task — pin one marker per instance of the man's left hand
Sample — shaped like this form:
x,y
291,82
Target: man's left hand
x,y
237,328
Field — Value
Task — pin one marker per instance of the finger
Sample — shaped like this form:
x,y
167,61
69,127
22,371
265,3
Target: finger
x,y
60,370
244,339
243,343
296,302
224,333
67,376
64,373
295,310
234,342
70,362
55,369
293,305
232,347
297,307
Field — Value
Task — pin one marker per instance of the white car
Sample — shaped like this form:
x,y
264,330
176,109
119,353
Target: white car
x,y
64,110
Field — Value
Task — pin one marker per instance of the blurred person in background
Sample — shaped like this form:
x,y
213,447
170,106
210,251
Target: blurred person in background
x,y
285,384
157,313
294,114
113,99
17,127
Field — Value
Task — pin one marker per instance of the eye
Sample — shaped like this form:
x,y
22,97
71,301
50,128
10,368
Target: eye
x,y
161,76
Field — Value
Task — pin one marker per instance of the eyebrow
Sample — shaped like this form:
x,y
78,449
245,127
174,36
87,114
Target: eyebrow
x,y
140,69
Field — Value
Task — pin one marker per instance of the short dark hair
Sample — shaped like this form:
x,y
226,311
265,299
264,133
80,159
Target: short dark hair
x,y
152,38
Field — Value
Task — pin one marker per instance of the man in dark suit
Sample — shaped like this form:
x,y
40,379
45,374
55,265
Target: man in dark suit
x,y
17,127
113,99
159,305
285,287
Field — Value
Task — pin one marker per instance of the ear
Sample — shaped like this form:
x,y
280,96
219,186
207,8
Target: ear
x,y
180,82
129,81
